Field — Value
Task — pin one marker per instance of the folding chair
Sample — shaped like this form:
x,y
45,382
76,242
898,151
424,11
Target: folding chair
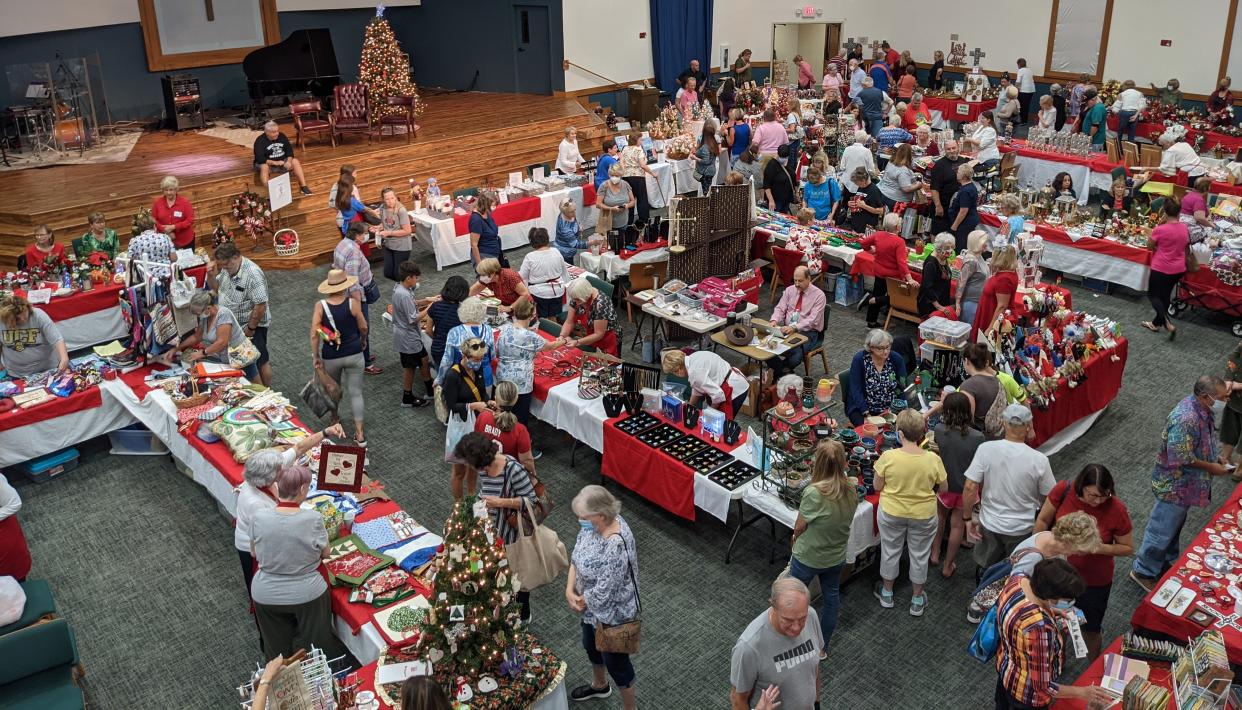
x,y
903,302
821,349
786,260
1130,153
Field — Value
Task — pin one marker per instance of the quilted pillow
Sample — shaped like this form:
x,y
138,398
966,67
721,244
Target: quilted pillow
x,y
243,431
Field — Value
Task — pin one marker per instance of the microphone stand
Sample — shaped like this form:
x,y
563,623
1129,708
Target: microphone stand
x,y
75,98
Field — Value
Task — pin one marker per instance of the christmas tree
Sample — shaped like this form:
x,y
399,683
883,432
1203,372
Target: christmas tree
x,y
384,69
474,617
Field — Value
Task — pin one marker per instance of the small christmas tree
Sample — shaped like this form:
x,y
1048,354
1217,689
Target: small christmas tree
x,y
474,617
384,69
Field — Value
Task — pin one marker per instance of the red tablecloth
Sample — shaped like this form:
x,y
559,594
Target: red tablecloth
x,y
948,108
1203,289
1098,163
1149,617
98,299
56,407
1107,247
1152,130
1095,393
543,383
1158,674
522,210
651,473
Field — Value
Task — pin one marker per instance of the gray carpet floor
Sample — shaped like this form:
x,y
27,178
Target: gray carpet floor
x,y
142,563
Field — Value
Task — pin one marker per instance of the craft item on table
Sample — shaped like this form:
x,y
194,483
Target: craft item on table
x,y
31,398
712,424
401,621
333,518
350,561
684,447
708,459
659,436
388,530
636,424
243,432
386,580
733,475
415,553
340,467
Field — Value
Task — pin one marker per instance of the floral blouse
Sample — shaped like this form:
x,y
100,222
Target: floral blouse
x,y
603,568
88,244
880,386
516,350
153,246
1190,434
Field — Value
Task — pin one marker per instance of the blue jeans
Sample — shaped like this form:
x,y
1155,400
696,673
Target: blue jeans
x,y
618,664
829,589
1161,539
1127,121
968,311
873,125
794,356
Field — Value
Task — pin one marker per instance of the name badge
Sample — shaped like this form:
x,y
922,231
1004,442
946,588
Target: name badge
x,y
177,213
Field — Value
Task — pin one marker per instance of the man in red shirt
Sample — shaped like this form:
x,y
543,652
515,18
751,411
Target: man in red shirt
x,y
891,261
891,57
917,114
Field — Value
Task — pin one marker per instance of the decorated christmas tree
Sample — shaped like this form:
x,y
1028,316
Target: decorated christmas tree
x,y
474,617
384,69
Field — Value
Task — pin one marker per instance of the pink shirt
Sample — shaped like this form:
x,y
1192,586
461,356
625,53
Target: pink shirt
x,y
1193,202
805,75
769,136
832,80
1170,240
687,99
808,304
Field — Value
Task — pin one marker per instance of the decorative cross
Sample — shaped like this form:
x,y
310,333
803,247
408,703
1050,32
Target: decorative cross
x,y
211,10
849,45
953,38
977,54
677,224
875,49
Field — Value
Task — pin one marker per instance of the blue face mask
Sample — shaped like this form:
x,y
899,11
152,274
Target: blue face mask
x,y
586,525
1063,604
475,364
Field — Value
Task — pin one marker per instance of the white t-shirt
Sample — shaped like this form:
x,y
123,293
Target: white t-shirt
x,y
568,157
986,138
1015,478
706,370
545,273
251,500
1026,81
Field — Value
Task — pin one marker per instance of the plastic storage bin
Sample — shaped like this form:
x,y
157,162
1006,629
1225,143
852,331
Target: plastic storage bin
x,y
953,333
53,465
136,440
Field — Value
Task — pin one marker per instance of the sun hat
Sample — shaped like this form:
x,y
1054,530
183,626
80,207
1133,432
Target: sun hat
x,y
336,282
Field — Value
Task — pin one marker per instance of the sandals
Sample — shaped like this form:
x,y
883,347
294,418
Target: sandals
x,y
1150,326
952,570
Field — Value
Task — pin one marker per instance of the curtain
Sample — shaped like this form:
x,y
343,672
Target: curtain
x,y
681,30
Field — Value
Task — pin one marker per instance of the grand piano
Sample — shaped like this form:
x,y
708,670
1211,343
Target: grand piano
x,y
304,62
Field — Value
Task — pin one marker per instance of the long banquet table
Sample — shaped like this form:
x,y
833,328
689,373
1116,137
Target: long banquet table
x,y
1037,168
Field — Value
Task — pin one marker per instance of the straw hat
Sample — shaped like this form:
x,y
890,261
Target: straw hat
x,y
336,282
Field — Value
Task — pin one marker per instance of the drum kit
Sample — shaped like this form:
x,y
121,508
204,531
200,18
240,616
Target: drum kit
x,y
58,116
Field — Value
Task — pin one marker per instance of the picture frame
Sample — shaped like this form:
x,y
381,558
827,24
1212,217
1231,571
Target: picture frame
x,y
959,87
340,468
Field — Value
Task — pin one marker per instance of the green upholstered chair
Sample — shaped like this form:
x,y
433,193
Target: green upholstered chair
x,y
39,604
39,668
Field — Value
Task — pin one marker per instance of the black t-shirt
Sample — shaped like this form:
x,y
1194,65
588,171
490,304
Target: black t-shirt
x,y
266,149
944,179
700,78
776,178
859,219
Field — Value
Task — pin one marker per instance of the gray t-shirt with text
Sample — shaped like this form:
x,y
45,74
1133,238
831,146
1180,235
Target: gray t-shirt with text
x,y
763,656
30,348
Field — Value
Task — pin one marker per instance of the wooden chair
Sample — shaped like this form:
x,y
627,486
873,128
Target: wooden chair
x,y
643,277
903,302
1110,148
398,111
820,349
786,261
352,112
309,117
1130,153
1150,155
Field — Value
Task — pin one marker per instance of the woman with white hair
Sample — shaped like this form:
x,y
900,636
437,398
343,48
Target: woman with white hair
x,y
603,588
711,378
173,214
856,155
472,313
216,333
877,375
592,322
568,232
1006,116
972,275
934,290
568,157
923,143
1178,156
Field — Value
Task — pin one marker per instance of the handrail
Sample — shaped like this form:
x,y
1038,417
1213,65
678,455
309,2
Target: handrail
x,y
612,82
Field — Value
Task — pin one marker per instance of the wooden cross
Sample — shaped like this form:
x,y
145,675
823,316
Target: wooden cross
x,y
952,38
875,49
211,10
977,54
849,45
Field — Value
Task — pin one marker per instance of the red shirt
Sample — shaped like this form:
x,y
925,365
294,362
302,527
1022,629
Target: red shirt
x,y
1002,282
891,57
513,442
1111,517
504,286
891,255
180,216
914,117
55,257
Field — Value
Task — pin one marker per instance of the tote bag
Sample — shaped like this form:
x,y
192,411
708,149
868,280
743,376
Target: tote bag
x,y
536,557
454,432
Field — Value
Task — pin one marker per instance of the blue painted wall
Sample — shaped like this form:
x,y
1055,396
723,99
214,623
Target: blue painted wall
x,y
447,42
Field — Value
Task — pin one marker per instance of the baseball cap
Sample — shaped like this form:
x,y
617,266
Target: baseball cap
x,y
1016,414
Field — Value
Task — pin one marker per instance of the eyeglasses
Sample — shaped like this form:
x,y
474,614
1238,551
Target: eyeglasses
x,y
881,348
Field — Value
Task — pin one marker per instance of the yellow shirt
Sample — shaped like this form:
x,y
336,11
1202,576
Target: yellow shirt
x,y
910,482
1013,390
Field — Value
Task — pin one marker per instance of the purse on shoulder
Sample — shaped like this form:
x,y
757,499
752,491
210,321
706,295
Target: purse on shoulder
x,y
623,637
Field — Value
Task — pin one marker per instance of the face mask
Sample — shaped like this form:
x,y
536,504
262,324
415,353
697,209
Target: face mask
x,y
1218,409
1172,88
414,287
475,364
614,180
485,279
1063,605
586,525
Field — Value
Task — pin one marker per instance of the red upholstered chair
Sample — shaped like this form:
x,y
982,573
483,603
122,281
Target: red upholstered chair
x,y
309,117
786,261
398,112
352,113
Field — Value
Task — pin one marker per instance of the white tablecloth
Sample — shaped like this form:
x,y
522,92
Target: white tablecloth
x,y
862,530
93,328
451,248
44,437
1034,173
1095,265
612,266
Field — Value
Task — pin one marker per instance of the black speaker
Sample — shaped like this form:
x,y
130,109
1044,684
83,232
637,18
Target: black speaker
x,y
183,104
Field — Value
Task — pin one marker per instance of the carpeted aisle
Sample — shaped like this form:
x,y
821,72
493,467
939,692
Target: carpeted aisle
x,y
143,566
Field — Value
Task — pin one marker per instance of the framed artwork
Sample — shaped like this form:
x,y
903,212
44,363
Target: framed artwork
x,y
340,468
179,35
959,87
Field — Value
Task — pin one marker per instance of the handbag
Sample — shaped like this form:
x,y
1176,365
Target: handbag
x,y
537,512
455,431
243,355
321,393
371,292
536,557
623,637
986,639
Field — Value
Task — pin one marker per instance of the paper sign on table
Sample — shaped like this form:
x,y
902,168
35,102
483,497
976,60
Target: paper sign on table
x,y
536,172
398,672
109,349
39,295
515,179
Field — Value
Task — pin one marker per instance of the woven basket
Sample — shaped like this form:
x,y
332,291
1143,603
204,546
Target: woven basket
x,y
286,250
193,400
676,156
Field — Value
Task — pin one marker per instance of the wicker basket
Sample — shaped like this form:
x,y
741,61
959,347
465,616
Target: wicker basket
x,y
286,250
196,397
676,156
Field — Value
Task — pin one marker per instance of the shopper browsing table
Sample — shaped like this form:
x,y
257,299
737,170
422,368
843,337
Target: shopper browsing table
x,y
241,287
216,334
472,313
30,342
504,283
972,276
1186,461
464,391
516,349
999,292
802,309
153,248
484,234
407,312
856,155
173,214
1092,492
634,171
781,647
937,279
1168,243
711,378
502,426
614,200
906,479
864,207
957,442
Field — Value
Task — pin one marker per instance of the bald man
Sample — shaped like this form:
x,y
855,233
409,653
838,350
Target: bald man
x,y
779,648
800,310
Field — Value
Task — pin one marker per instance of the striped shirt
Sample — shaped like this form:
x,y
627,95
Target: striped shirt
x,y
513,482
348,257
242,292
1030,654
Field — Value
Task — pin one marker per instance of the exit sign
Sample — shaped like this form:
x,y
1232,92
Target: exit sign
x,y
1166,43
808,11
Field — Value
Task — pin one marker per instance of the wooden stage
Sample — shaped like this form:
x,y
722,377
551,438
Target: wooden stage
x,y
465,140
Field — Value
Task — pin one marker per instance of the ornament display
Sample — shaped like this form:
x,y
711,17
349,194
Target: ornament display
x,y
385,70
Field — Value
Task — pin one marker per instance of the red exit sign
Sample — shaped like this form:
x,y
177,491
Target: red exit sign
x,y
808,11
1166,43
